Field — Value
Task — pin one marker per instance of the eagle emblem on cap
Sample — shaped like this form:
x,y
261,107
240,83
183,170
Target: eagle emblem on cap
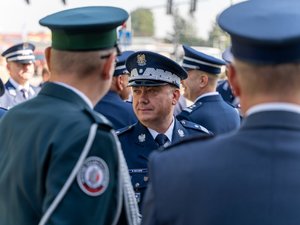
x,y
141,59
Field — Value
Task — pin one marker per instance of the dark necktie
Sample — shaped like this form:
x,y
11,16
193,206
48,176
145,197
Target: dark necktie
x,y
161,139
25,93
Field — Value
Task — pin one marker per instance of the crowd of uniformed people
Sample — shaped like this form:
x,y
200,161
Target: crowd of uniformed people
x,y
108,139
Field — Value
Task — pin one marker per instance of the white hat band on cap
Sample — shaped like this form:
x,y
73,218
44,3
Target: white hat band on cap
x,y
21,57
20,52
155,74
202,62
122,67
190,66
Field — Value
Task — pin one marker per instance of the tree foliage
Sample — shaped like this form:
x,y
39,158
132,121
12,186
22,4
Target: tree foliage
x,y
142,22
218,38
184,32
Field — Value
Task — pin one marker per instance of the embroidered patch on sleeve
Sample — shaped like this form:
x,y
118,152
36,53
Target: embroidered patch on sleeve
x,y
93,176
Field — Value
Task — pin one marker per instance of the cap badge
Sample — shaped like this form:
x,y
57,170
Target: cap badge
x,y
141,59
180,133
93,177
142,137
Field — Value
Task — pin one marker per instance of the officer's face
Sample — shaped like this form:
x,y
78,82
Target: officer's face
x,y
21,73
154,105
191,85
126,91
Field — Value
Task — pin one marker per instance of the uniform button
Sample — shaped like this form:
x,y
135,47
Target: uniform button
x,y
137,185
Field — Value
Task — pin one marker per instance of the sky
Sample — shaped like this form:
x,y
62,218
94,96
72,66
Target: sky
x,y
18,17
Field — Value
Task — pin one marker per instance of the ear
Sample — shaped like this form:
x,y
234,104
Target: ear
x,y
108,67
176,95
120,83
233,80
47,56
203,80
8,66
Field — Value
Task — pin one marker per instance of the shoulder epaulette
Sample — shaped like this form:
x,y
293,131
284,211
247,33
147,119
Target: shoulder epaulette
x,y
191,108
188,139
194,126
124,129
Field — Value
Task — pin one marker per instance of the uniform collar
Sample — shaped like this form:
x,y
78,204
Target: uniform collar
x,y
275,106
19,86
206,94
79,93
168,133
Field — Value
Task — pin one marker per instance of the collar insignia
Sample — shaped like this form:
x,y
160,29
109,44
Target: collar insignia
x,y
181,133
142,137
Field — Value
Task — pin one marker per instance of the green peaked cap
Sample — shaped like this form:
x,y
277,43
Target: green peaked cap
x,y
85,28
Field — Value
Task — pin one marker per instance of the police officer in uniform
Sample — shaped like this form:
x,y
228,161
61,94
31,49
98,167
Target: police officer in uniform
x,y
114,105
60,161
209,108
249,176
223,87
155,82
2,90
20,65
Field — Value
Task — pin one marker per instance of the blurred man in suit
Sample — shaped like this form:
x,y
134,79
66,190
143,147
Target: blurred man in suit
x,y
250,176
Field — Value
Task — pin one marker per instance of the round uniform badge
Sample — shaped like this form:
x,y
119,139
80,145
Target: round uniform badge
x,y
93,176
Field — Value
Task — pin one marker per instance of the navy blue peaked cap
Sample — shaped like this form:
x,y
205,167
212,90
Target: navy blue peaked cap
x,y
152,69
85,28
264,32
21,53
120,63
227,55
195,60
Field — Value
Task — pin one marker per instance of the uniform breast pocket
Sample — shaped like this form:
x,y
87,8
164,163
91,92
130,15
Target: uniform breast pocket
x,y
139,180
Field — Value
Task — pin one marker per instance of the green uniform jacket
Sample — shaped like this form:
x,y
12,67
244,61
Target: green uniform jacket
x,y
41,140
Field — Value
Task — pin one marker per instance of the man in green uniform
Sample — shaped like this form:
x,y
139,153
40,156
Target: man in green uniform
x,y
60,161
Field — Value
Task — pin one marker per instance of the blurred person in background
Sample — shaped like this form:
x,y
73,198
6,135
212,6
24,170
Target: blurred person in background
x,y
224,87
20,65
114,105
